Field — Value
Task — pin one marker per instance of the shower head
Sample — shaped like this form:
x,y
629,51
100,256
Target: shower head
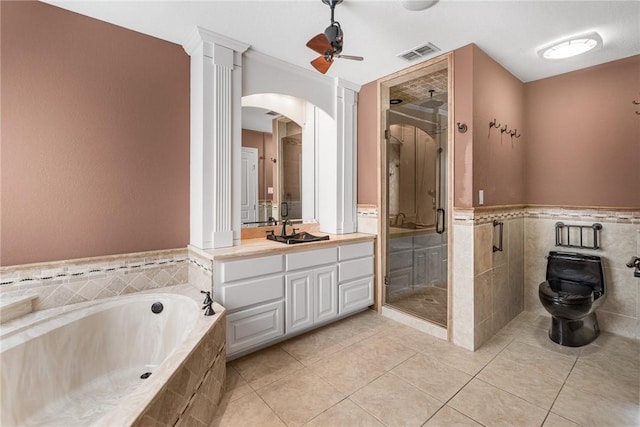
x,y
432,103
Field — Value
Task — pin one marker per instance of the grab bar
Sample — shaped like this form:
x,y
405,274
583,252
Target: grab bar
x,y
501,232
439,214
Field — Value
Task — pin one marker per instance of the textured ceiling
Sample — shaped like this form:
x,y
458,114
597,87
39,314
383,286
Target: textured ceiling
x,y
511,32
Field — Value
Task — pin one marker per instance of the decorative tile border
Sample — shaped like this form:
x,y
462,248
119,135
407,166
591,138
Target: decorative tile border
x,y
72,281
606,215
478,216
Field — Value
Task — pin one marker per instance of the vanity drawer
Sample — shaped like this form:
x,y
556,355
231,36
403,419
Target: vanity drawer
x,y
356,250
348,270
355,295
252,267
243,294
254,326
306,259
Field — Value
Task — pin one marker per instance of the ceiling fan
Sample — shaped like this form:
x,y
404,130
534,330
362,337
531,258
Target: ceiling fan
x,y
329,43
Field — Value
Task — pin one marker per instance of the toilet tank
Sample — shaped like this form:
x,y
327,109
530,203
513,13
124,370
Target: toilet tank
x,y
579,268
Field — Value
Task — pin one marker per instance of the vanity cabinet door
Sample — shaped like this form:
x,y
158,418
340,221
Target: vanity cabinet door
x,y
355,295
299,298
325,295
254,326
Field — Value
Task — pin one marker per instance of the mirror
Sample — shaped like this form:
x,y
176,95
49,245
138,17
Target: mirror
x,y
275,154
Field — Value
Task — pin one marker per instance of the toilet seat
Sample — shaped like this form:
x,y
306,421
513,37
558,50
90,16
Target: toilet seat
x,y
566,292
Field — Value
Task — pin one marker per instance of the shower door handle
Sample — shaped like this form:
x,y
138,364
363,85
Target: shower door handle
x,y
440,220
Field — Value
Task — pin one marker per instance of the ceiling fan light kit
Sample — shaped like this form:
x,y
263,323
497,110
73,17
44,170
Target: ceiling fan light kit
x,y
329,44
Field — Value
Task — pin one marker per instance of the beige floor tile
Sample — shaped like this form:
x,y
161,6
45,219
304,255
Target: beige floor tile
x,y
248,410
449,417
396,402
492,406
266,366
622,346
434,378
347,414
383,351
347,371
540,338
235,385
554,420
311,347
540,361
408,336
592,408
300,397
623,385
463,360
518,379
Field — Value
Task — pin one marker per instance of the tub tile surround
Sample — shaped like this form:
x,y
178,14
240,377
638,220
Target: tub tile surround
x,y
187,385
72,281
192,395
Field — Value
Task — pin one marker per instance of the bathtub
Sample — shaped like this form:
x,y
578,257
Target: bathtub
x,y
108,362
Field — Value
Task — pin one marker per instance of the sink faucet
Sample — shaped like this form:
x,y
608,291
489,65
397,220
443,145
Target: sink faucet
x,y
398,218
285,222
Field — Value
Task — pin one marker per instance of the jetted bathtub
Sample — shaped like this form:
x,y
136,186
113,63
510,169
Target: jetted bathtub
x,y
101,362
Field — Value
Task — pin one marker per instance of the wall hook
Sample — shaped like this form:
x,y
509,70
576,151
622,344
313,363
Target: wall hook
x,y
504,129
636,102
494,124
462,128
516,134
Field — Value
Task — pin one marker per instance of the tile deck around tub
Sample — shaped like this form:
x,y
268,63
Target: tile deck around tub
x,y
368,370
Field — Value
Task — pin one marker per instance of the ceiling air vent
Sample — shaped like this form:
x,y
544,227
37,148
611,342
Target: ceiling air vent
x,y
419,52
272,113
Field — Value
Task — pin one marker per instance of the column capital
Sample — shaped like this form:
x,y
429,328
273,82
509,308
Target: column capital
x,y
201,35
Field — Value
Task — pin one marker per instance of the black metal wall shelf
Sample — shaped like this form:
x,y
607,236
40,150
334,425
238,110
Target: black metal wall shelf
x,y
563,238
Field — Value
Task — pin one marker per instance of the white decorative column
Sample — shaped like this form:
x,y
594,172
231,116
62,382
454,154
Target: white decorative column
x,y
216,90
338,205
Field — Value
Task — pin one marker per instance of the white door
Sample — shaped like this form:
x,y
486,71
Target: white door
x,y
249,194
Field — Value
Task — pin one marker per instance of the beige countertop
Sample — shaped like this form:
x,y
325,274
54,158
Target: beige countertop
x,y
250,248
403,232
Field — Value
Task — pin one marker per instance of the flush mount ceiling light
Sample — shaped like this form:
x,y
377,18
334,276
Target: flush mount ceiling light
x,y
415,5
571,47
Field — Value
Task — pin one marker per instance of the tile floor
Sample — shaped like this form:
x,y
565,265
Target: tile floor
x,y
368,370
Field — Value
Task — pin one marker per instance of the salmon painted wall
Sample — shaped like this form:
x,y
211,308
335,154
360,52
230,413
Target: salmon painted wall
x,y
583,137
368,140
94,139
485,159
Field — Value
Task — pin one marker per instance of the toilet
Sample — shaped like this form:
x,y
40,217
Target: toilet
x,y
573,290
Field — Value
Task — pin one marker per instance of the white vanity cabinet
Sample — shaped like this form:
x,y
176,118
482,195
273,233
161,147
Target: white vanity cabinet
x,y
355,277
269,298
252,291
311,288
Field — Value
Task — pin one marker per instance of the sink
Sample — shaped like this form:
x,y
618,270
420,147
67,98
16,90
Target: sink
x,y
302,237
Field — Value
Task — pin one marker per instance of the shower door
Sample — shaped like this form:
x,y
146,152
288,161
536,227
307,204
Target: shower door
x,y
416,281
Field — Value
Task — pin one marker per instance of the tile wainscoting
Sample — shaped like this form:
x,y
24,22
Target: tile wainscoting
x,y
619,241
71,281
488,286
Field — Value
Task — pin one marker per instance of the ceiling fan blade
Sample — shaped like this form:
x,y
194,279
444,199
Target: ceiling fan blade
x,y
351,57
322,63
319,44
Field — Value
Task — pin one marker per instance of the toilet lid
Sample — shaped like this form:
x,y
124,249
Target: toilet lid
x,y
566,292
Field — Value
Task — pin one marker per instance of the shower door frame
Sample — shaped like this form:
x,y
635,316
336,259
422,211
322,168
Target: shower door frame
x,y
383,86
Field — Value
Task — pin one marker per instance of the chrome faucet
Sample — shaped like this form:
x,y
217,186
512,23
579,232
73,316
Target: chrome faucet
x,y
398,218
